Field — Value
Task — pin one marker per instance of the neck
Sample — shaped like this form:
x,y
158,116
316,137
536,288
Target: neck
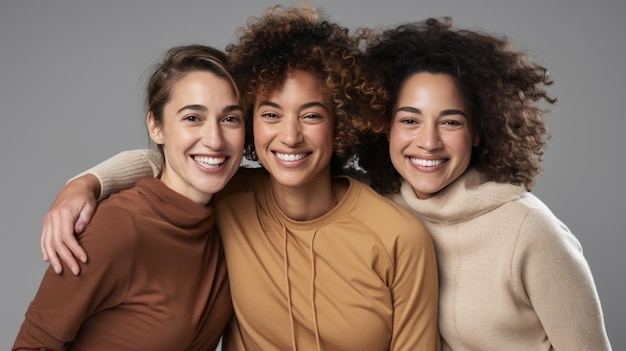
x,y
179,187
306,203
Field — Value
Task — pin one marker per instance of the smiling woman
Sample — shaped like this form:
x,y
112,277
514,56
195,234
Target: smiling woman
x,y
293,138
160,281
466,139
200,133
431,134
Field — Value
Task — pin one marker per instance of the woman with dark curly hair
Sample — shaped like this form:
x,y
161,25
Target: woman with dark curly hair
x,y
317,260
465,142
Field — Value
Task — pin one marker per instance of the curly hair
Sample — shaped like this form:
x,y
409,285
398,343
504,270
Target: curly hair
x,y
503,89
299,38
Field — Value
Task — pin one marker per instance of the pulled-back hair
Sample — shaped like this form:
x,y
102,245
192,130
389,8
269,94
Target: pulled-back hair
x,y
285,39
502,88
176,64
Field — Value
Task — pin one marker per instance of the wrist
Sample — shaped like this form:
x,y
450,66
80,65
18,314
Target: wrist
x,y
89,183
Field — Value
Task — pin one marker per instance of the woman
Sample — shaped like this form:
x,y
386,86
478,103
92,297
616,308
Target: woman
x,y
466,138
159,282
317,261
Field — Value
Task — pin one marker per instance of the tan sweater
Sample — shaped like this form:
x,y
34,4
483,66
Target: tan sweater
x,y
361,277
511,275
156,280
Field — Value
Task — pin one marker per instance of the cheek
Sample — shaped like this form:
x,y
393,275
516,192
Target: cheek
x,y
463,145
397,142
235,139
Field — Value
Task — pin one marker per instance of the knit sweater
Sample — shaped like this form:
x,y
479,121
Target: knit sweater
x,y
511,275
156,280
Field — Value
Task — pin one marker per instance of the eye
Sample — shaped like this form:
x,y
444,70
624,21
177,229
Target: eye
x,y
191,118
231,119
408,121
451,123
269,115
312,118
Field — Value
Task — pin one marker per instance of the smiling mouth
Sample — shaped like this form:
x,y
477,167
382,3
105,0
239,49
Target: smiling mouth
x,y
426,163
209,162
290,157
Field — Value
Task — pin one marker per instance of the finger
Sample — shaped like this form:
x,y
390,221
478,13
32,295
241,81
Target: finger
x,y
53,259
65,243
42,240
84,217
48,249
77,251
66,256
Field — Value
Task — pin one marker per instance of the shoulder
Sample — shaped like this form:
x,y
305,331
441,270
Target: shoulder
x,y
369,202
390,221
540,229
116,224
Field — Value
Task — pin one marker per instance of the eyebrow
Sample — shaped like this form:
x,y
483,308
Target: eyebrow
x,y
447,112
197,107
303,107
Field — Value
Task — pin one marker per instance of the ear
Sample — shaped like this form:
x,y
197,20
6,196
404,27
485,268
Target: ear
x,y
154,129
476,140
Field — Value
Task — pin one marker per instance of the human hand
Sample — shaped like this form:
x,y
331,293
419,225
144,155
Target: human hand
x,y
70,212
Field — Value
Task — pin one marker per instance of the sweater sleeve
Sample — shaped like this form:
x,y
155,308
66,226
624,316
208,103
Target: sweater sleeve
x,y
63,302
124,169
556,277
415,292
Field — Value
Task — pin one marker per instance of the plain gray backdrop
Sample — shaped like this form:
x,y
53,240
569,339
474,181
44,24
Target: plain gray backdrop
x,y
71,84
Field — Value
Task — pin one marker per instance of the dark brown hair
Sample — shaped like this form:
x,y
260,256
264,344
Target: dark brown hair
x,y
502,87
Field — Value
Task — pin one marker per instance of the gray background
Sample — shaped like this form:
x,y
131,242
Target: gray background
x,y
71,82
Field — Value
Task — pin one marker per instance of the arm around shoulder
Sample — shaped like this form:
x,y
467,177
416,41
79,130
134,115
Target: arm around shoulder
x,y
124,169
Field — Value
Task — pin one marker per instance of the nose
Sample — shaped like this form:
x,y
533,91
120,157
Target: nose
x,y
291,131
428,137
212,136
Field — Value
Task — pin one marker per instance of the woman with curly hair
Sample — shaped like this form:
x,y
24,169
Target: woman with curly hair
x,y
317,260
465,142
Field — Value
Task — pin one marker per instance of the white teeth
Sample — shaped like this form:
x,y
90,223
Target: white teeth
x,y
426,163
209,162
290,157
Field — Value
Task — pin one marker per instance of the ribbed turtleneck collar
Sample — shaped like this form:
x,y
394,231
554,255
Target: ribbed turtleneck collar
x,y
176,208
469,196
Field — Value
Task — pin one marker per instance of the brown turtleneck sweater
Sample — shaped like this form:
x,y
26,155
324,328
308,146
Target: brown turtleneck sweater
x,y
156,280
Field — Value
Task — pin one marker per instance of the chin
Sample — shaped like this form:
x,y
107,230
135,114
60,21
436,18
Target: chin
x,y
211,188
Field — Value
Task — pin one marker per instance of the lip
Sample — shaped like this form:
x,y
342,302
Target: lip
x,y
210,163
427,164
290,159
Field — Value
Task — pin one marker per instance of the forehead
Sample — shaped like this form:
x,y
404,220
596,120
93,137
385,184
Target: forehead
x,y
202,82
295,84
430,89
